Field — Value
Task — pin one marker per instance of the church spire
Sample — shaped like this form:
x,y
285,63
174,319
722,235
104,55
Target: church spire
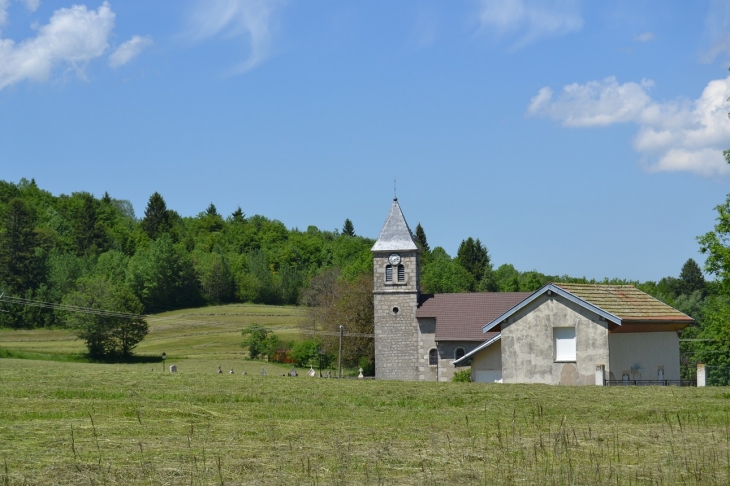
x,y
395,235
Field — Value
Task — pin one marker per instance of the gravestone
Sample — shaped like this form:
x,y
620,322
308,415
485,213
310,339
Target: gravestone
x,y
360,376
328,375
293,372
231,372
220,371
173,368
263,371
311,372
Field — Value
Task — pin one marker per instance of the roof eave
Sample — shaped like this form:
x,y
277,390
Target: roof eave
x,y
474,351
561,292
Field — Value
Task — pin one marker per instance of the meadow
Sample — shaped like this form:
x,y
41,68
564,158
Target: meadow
x,y
66,422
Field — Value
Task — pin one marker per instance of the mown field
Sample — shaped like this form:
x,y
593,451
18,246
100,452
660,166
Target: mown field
x,y
79,423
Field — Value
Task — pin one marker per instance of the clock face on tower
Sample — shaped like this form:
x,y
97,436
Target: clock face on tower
x,y
394,259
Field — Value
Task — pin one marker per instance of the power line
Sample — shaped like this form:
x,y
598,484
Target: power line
x,y
68,308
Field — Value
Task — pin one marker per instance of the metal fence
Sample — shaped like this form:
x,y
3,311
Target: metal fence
x,y
651,382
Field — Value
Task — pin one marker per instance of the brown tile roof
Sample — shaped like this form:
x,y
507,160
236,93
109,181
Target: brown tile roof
x,y
460,317
626,302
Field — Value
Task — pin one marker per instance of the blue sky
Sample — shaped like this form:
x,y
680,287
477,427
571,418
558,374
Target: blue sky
x,y
571,137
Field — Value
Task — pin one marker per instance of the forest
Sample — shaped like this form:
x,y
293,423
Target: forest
x,y
84,251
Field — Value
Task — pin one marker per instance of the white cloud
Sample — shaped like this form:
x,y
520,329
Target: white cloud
x,y
644,37
679,135
234,18
4,4
129,50
73,36
531,20
717,25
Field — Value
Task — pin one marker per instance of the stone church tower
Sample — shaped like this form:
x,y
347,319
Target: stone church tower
x,y
396,273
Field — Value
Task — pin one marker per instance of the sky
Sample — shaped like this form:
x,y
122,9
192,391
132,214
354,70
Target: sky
x,y
579,138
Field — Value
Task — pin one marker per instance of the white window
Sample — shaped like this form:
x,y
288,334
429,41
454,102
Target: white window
x,y
564,343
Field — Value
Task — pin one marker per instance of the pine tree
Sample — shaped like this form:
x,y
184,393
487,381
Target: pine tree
x,y
348,228
156,217
474,257
20,268
691,278
421,240
211,211
238,216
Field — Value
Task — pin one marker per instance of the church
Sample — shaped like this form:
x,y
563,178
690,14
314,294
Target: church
x,y
574,334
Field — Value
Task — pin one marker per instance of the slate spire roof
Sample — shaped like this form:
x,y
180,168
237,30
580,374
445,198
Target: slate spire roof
x,y
395,235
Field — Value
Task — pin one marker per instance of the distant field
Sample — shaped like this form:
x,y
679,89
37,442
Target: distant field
x,y
66,423
201,337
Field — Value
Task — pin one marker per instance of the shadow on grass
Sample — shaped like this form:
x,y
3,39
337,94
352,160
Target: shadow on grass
x,y
77,357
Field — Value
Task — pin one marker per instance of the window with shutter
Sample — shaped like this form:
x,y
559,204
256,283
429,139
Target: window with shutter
x,y
388,273
401,273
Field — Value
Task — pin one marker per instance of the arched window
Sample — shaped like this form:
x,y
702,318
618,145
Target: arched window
x,y
401,273
389,273
433,357
459,353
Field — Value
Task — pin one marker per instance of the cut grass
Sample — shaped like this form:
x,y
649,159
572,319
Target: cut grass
x,y
81,423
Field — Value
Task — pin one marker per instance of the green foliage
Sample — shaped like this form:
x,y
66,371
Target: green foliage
x,y
262,342
348,229
156,217
507,278
421,239
462,376
305,353
691,279
106,335
444,275
20,262
474,257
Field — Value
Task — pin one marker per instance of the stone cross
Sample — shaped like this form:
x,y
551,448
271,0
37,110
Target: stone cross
x,y
360,376
311,372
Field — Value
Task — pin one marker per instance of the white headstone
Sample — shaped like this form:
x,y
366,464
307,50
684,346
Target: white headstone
x,y
360,375
173,368
311,372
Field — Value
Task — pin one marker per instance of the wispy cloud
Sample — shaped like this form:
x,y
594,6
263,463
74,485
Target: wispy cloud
x,y
644,37
4,4
73,37
530,20
237,18
679,135
32,5
717,27
129,50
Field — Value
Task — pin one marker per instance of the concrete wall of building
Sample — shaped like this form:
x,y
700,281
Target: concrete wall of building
x,y
426,342
447,353
487,364
642,354
528,354
395,325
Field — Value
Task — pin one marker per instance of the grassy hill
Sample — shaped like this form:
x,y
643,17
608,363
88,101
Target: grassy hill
x,y
64,423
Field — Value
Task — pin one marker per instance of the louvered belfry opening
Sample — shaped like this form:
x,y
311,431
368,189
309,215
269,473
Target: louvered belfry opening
x,y
389,273
401,273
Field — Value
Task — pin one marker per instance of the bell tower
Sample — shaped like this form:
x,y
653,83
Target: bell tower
x,y
396,282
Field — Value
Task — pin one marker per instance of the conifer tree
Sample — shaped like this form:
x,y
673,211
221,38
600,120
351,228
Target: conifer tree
x,y
20,269
238,215
421,240
474,257
211,211
348,228
156,217
691,278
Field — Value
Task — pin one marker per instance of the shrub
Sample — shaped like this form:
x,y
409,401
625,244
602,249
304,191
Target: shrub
x,y
462,376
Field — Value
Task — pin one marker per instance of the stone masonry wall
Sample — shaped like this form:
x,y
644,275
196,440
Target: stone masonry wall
x,y
396,332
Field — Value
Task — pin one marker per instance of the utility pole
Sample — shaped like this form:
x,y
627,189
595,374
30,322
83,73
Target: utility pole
x,y
339,359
